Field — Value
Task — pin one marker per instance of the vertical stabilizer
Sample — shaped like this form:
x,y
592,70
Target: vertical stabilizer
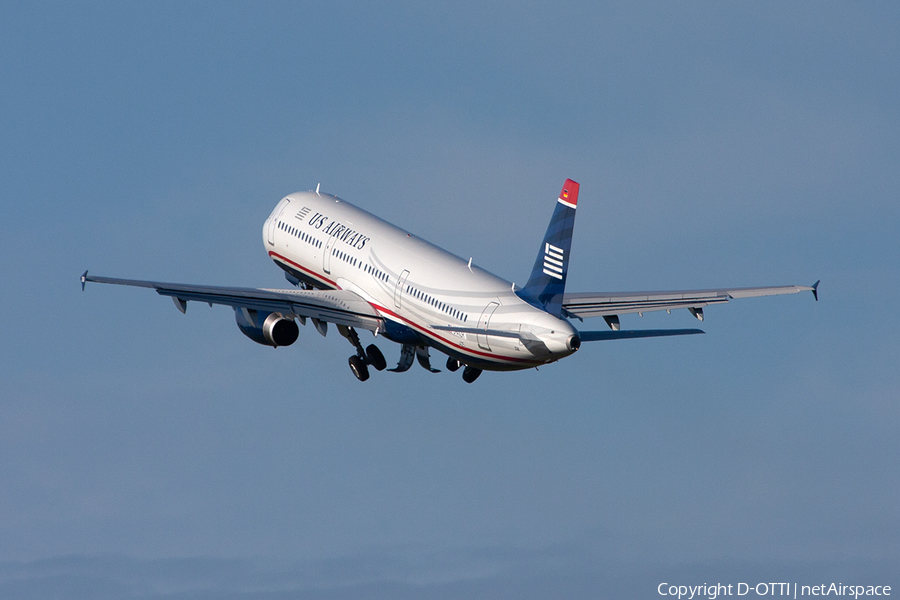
x,y
547,283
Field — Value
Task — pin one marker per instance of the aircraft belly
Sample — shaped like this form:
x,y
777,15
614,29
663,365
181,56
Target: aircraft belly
x,y
495,363
399,333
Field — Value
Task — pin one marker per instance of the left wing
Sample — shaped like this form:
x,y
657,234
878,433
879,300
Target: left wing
x,y
341,307
617,303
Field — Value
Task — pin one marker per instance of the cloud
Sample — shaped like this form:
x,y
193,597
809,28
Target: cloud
x,y
571,571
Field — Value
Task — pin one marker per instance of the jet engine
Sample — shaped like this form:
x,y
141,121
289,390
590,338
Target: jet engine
x,y
268,329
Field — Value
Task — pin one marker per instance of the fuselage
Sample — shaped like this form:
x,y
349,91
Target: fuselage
x,y
414,285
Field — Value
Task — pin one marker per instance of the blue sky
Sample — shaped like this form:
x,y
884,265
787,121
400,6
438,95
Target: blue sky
x,y
145,453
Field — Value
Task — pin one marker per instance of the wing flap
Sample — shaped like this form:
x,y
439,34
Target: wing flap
x,y
340,307
619,303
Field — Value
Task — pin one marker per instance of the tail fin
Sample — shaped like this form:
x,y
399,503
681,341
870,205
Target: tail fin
x,y
547,283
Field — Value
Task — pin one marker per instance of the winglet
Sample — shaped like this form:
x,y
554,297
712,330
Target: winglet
x,y
815,289
83,280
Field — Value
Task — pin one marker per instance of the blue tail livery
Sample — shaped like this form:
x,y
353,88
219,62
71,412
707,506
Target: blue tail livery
x,y
547,284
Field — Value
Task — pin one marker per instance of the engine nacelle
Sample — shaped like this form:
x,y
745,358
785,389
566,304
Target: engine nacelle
x,y
268,329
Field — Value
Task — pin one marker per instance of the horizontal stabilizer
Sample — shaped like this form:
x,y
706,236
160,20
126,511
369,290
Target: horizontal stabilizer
x,y
594,336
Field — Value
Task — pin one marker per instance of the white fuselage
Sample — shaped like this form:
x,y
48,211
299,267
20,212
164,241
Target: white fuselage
x,y
412,284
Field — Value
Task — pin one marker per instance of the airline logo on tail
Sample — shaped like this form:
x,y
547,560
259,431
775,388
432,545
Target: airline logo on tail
x,y
547,283
553,260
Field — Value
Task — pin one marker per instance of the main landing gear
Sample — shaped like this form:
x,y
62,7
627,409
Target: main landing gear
x,y
370,356
359,368
470,374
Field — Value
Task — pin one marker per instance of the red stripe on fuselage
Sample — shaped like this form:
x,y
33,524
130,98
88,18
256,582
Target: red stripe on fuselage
x,y
396,317
322,278
447,342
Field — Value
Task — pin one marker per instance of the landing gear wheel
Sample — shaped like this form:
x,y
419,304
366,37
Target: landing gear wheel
x,y
453,364
470,374
359,368
375,357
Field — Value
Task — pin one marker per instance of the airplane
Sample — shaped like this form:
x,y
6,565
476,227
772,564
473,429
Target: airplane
x,y
356,271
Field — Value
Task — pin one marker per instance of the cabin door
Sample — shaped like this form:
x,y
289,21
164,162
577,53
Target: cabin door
x,y
398,291
484,324
326,256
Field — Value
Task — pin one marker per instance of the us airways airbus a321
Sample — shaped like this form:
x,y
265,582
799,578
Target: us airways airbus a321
x,y
357,271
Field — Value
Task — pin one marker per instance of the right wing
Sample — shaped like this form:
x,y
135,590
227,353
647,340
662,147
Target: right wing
x,y
611,304
341,307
